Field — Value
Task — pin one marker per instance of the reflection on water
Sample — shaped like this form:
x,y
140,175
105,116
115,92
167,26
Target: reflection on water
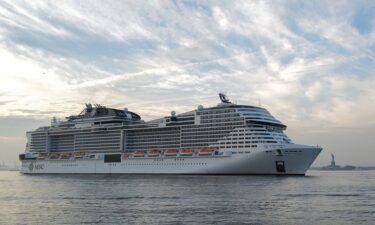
x,y
339,197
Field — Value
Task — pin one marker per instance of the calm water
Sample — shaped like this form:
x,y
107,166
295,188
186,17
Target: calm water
x,y
319,198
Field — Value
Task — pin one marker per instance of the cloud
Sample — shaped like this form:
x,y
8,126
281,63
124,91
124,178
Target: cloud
x,y
10,138
22,16
310,67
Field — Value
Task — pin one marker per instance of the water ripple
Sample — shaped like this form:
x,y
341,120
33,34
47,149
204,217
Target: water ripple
x,y
327,197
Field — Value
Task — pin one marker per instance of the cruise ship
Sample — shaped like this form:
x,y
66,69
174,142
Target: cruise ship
x,y
225,139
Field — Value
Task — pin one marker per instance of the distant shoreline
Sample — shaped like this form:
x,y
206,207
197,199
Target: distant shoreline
x,y
345,168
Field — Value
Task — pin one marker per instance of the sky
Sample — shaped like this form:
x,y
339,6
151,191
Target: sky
x,y
310,63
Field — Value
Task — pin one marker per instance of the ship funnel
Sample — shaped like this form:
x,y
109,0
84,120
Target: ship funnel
x,y
224,98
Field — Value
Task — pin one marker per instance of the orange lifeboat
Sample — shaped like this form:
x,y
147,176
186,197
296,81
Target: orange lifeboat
x,y
139,154
206,151
54,156
186,152
42,155
126,154
78,155
65,155
153,153
171,152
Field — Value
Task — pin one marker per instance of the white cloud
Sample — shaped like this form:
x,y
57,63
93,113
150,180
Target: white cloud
x,y
220,17
11,138
314,90
21,16
250,49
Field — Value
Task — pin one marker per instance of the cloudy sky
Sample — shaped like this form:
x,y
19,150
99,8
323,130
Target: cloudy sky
x,y
310,63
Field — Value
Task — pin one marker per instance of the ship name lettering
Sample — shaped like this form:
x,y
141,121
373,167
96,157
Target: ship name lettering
x,y
39,167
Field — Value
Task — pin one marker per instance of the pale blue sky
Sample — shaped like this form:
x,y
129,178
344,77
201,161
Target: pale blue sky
x,y
310,63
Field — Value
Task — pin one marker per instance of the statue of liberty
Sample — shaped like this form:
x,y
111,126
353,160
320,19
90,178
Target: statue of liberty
x,y
333,164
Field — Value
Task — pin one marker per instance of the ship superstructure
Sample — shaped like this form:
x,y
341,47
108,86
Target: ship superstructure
x,y
224,139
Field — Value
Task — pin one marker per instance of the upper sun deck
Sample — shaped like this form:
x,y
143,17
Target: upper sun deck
x,y
224,111
252,114
98,115
99,111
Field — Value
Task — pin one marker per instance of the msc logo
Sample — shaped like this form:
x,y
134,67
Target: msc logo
x,y
31,166
36,167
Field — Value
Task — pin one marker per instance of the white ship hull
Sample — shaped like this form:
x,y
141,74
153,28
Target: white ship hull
x,y
293,160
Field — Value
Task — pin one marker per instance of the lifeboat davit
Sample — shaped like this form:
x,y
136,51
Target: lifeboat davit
x,y
78,155
206,151
65,155
186,152
42,155
153,153
170,152
54,156
126,154
139,154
